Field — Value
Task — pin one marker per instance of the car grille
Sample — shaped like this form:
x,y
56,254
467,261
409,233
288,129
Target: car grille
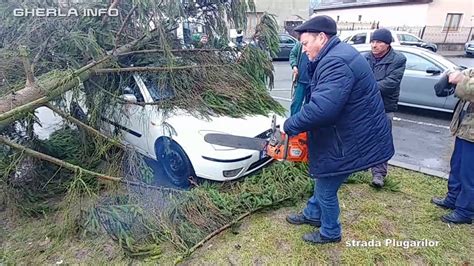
x,y
259,163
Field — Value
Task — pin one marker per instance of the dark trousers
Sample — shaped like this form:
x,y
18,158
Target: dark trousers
x,y
298,97
381,170
461,179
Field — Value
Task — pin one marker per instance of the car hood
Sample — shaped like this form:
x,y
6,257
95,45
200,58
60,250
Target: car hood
x,y
249,126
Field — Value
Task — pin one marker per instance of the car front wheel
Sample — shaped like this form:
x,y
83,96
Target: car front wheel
x,y
175,162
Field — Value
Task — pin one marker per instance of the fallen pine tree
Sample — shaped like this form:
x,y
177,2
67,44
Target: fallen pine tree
x,y
79,172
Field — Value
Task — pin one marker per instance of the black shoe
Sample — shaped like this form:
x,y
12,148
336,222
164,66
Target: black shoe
x,y
455,218
441,202
317,238
300,219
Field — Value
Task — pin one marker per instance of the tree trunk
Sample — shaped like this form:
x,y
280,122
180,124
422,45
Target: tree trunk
x,y
32,97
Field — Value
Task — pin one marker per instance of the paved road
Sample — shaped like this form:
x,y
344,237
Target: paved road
x,y
421,138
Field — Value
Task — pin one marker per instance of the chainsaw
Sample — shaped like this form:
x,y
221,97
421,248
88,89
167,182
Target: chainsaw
x,y
278,146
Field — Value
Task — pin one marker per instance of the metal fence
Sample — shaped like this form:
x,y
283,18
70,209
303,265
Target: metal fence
x,y
435,34
440,34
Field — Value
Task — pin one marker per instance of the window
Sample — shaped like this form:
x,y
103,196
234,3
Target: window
x,y
286,39
408,38
453,20
359,38
418,63
129,86
158,88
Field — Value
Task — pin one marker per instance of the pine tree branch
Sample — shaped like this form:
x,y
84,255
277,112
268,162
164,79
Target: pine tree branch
x,y
56,161
117,36
152,69
29,98
173,51
30,79
226,226
40,52
112,6
86,127
74,168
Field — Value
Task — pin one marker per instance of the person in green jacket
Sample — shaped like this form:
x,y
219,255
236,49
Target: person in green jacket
x,y
299,64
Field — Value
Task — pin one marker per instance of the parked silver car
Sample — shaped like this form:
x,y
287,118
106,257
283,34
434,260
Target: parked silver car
x,y
423,70
469,48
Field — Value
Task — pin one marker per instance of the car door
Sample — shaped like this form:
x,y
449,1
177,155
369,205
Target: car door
x,y
417,84
286,44
132,121
408,39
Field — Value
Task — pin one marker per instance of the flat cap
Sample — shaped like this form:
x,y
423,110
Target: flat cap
x,y
318,24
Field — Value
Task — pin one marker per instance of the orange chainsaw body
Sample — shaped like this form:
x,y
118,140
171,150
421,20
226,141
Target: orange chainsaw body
x,y
293,149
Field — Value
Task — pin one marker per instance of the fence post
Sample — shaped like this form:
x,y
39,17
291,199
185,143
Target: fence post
x,y
423,32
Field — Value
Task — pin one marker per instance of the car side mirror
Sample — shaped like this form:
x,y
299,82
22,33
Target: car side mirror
x,y
129,98
350,42
433,71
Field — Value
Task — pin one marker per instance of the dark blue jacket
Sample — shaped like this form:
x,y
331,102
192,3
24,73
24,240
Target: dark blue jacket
x,y
345,118
388,73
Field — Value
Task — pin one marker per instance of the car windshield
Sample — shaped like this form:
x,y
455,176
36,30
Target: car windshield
x,y
158,88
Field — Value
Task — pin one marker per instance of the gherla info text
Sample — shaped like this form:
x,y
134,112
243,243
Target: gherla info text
x,y
406,244
62,12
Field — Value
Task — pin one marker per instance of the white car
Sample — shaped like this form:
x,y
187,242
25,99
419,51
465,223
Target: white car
x,y
177,141
399,38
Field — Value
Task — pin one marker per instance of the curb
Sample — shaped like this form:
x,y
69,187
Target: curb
x,y
419,169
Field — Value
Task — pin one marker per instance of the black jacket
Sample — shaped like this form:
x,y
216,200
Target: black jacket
x,y
388,74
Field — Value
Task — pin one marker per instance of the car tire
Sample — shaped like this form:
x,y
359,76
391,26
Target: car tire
x,y
431,49
175,162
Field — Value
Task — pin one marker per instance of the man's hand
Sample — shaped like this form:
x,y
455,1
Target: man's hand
x,y
456,77
295,70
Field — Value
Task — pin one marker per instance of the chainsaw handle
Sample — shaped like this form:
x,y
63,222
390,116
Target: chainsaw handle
x,y
285,146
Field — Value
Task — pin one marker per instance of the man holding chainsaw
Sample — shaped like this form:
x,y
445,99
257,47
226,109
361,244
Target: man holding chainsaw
x,y
346,123
299,62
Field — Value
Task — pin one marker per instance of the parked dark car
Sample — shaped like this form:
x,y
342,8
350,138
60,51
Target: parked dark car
x,y
287,42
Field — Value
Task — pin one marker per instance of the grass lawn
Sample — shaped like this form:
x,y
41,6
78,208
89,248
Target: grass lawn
x,y
265,238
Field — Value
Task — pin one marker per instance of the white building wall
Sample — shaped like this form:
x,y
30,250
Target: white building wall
x,y
284,9
438,10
